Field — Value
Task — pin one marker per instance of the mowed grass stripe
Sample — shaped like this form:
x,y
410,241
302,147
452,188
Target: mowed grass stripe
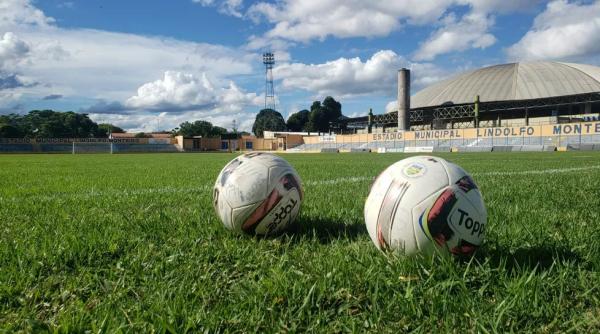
x,y
135,258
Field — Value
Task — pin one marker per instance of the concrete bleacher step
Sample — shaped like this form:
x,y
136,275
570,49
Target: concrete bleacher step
x,y
360,150
502,148
549,148
581,147
531,148
474,149
441,149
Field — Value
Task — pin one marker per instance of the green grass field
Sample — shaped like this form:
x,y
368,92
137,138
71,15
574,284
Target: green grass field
x,y
131,243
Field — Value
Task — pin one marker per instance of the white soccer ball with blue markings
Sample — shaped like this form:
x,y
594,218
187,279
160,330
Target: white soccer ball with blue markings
x,y
425,204
258,193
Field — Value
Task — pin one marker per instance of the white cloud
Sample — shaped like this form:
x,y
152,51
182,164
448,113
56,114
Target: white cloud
x,y
471,31
175,89
303,20
12,51
565,30
391,106
228,7
178,91
21,13
103,64
179,97
352,76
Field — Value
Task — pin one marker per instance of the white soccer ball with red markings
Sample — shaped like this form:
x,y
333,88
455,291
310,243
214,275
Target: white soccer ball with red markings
x,y
425,205
258,193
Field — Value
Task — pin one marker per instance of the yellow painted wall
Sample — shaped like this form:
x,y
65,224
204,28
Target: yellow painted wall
x,y
549,130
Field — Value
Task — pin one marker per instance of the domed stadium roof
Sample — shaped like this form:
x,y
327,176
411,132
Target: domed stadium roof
x,y
510,82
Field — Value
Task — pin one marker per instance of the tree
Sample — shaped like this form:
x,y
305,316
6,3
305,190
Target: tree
x,y
9,131
298,121
105,128
334,108
140,135
268,120
49,124
321,115
218,131
53,124
200,128
11,126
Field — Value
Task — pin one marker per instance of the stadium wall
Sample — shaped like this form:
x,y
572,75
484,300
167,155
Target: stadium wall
x,y
87,145
557,135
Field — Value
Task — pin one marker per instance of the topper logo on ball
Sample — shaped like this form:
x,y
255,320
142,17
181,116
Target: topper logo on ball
x,y
470,224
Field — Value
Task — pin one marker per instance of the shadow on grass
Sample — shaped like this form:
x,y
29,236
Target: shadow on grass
x,y
526,258
324,230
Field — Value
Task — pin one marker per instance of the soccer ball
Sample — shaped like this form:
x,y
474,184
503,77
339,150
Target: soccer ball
x,y
257,193
425,205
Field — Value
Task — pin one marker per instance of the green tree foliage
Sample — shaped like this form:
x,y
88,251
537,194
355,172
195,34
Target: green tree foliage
x,y
9,131
48,124
140,135
200,128
268,120
298,121
11,126
321,114
105,128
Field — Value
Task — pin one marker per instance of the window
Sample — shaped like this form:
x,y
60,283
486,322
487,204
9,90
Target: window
x,y
249,145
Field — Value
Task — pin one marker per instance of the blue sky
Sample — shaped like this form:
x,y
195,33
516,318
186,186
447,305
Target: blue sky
x,y
140,63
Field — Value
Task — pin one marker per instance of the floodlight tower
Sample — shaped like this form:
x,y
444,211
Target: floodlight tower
x,y
269,61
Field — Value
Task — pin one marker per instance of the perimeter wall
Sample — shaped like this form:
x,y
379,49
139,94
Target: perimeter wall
x,y
557,135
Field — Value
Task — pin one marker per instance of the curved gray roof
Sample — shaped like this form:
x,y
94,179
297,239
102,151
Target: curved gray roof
x,y
516,81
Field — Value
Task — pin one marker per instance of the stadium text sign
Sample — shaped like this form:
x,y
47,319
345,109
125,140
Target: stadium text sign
x,y
549,130
388,136
576,129
71,140
508,132
438,134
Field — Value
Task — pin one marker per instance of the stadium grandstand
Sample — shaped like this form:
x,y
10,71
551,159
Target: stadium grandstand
x,y
509,94
518,106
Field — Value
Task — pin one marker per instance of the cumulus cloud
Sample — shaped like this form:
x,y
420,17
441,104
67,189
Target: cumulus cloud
x,y
565,30
228,7
471,31
21,13
178,97
178,91
352,76
303,20
13,51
